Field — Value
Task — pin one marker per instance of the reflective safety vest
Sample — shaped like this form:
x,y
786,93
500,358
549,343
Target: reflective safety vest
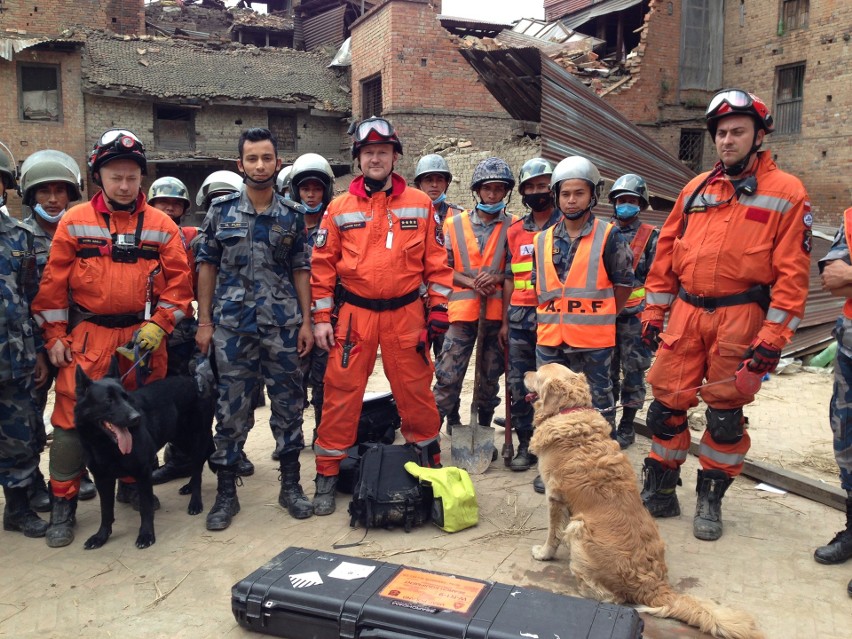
x,y
464,302
579,312
521,245
640,241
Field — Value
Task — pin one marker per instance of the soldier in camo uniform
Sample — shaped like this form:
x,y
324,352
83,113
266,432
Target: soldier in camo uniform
x,y
579,299
21,368
50,181
254,286
837,280
631,358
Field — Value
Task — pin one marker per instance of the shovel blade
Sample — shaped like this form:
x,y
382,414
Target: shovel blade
x,y
472,447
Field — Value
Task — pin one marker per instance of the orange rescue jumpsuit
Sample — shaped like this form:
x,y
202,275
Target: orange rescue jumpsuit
x,y
759,239
353,244
75,278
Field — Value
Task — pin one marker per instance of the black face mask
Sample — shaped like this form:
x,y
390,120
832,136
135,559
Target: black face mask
x,y
538,202
267,183
118,206
373,185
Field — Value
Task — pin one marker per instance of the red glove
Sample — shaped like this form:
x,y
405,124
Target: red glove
x,y
438,321
761,357
651,334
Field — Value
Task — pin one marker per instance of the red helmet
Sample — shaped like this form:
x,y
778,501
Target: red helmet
x,y
117,144
373,130
738,102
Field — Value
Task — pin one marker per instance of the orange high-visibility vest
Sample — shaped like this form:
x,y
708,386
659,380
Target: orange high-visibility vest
x,y
847,229
520,243
640,241
464,302
581,311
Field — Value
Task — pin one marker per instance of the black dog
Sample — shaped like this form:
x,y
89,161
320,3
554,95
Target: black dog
x,y
122,431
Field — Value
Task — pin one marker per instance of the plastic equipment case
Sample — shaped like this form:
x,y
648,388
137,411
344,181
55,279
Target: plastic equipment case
x,y
310,594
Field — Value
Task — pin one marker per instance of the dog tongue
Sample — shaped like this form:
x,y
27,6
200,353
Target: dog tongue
x,y
123,438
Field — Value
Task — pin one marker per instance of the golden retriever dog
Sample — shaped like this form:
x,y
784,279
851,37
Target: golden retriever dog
x,y
617,554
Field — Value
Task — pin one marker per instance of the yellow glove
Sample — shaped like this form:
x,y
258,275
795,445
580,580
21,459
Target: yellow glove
x,y
150,336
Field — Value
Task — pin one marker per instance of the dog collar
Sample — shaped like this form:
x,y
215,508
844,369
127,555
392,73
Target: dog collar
x,y
575,409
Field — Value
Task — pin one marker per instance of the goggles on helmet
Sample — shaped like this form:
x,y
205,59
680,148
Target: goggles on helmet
x,y
381,127
734,98
119,138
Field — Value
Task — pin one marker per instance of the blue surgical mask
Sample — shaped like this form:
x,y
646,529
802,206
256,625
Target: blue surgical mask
x,y
491,208
313,209
53,219
626,211
439,199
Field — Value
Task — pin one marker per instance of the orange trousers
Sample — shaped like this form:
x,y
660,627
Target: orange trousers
x,y
397,333
700,347
92,348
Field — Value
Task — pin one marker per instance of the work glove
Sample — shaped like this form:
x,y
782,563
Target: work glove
x,y
438,321
761,357
651,334
149,336
423,344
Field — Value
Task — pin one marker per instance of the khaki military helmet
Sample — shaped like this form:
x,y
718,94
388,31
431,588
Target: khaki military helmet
x,y
216,184
8,168
44,167
169,187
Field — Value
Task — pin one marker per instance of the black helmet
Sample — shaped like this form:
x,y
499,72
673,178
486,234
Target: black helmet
x,y
117,144
492,170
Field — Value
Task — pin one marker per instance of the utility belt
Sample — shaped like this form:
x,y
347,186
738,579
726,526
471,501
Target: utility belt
x,y
390,304
755,295
77,314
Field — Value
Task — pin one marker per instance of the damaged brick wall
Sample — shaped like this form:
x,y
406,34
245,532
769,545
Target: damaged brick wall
x,y
428,89
820,154
51,17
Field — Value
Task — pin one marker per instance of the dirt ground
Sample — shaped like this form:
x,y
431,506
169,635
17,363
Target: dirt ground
x,y
180,587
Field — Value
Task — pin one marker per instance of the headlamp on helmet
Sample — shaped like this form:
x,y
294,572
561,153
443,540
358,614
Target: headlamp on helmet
x,y
117,144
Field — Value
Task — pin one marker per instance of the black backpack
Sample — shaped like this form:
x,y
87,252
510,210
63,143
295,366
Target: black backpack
x,y
386,495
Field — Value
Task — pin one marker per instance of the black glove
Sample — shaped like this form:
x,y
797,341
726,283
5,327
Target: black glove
x,y
651,334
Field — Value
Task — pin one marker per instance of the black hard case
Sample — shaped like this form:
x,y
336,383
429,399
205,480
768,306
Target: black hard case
x,y
268,602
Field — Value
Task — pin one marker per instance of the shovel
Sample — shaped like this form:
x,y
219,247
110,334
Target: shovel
x,y
473,445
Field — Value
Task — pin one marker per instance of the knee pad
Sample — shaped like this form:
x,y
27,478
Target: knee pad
x,y
66,455
725,425
665,422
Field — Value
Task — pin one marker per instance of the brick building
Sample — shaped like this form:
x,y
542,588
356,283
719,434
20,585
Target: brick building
x,y
406,67
795,54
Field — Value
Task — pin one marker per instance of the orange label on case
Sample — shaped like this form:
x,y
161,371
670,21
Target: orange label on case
x,y
437,591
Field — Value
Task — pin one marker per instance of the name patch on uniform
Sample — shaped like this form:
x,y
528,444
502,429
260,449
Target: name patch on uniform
x,y
697,209
353,225
527,249
94,241
408,223
757,215
233,225
322,236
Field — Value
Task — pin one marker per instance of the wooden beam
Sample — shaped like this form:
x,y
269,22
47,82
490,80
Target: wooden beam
x,y
779,477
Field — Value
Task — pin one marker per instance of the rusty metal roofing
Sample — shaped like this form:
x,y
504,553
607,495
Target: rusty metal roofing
x,y
9,46
325,28
469,26
575,17
574,120
169,68
555,9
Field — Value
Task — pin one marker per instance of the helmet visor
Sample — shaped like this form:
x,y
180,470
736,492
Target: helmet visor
x,y
122,136
379,126
734,98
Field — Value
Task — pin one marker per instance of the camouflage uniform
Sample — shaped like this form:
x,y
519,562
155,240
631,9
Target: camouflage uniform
x,y
522,340
257,318
19,343
841,398
630,358
313,366
443,209
458,346
181,342
594,362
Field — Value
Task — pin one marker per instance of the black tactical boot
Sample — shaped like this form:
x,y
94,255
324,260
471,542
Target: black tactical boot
x,y
538,485
38,493
523,458
500,421
177,466
63,518
324,494
128,493
87,488
838,549
711,487
227,504
19,517
291,496
658,489
626,435
244,467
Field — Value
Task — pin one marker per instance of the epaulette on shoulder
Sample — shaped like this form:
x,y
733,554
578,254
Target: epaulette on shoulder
x,y
20,224
292,204
455,206
225,198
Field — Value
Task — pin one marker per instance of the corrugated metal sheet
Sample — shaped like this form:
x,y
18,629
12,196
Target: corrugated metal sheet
x,y
574,20
575,121
10,46
555,9
513,76
328,27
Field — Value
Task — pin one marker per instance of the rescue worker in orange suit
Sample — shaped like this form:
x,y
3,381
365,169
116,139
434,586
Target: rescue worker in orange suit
x,y
731,270
117,274
476,251
583,277
383,241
